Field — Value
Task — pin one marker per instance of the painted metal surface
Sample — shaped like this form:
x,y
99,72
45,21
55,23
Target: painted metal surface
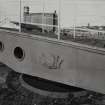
x,y
66,62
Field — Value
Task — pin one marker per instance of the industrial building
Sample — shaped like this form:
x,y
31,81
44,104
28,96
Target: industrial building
x,y
47,21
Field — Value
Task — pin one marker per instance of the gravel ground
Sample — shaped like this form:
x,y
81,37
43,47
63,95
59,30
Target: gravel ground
x,y
12,93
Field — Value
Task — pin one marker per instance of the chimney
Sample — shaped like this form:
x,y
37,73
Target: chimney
x,y
55,20
26,13
26,10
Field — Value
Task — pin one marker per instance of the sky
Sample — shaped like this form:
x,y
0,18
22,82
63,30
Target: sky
x,y
78,12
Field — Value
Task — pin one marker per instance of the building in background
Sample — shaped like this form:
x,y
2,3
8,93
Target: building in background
x,y
48,20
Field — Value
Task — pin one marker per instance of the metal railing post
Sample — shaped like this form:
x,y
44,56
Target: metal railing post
x,y
74,28
43,16
20,17
75,17
59,19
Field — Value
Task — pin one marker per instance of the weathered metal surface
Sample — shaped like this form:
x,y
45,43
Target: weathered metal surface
x,y
66,62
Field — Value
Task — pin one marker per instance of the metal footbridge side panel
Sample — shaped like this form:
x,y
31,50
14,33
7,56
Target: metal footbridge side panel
x,y
65,62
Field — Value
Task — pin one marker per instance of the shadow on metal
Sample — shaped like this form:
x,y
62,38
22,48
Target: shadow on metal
x,y
47,88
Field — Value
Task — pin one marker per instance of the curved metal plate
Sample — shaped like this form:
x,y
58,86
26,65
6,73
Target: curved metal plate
x,y
68,63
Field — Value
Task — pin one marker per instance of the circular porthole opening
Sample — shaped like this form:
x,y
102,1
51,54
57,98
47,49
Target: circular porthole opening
x,y
1,46
19,53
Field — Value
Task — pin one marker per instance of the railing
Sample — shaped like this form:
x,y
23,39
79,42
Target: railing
x,y
82,19
4,21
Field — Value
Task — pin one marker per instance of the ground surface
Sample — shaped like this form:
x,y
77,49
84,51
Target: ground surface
x,y
12,93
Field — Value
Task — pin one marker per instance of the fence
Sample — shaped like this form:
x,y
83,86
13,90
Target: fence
x,y
62,19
